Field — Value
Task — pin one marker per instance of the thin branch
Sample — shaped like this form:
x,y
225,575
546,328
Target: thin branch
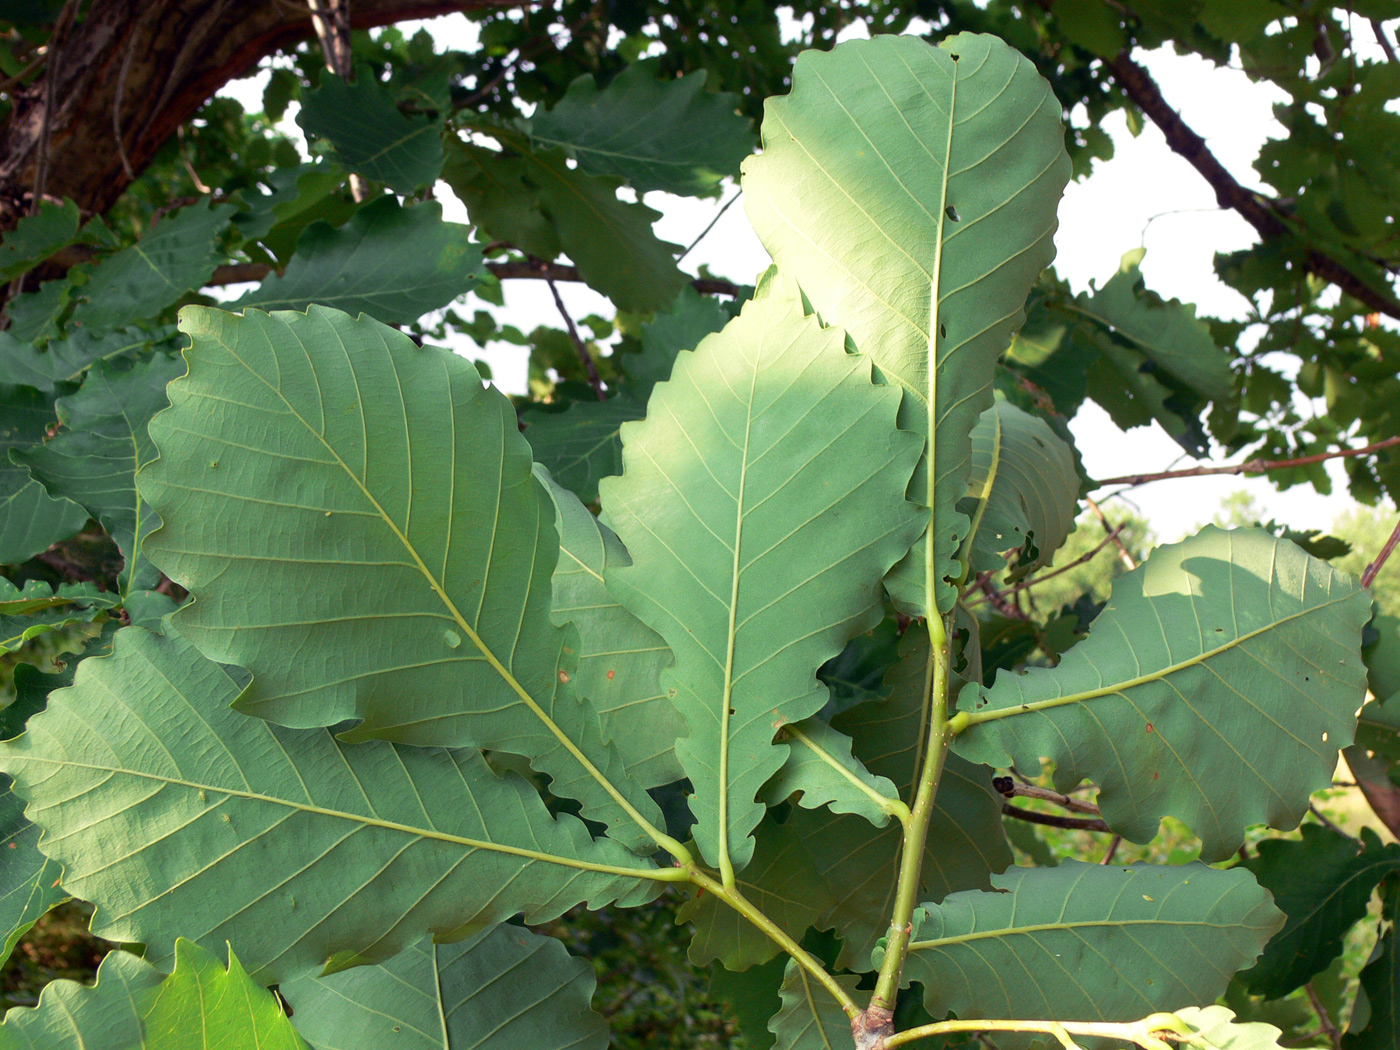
x,y
718,215
1253,466
1008,788
1382,39
41,164
1123,554
998,598
1112,850
1373,570
241,272
594,380
1033,581
127,52
1052,821
10,83
1257,210
1324,821
1323,1018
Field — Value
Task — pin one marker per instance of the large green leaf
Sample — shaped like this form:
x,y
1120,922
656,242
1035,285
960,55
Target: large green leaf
x,y
856,861
535,201
36,237
1023,490
761,501
810,1018
620,658
390,262
911,192
200,1006
1323,883
30,519
94,459
657,134
821,770
330,489
1230,651
581,445
502,988
176,815
1090,942
28,879
177,254
65,360
371,135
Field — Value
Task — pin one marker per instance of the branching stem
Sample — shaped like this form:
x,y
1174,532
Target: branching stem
x,y
736,900
916,829
1143,1032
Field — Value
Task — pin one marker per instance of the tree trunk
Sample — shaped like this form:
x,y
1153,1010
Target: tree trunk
x,y
144,67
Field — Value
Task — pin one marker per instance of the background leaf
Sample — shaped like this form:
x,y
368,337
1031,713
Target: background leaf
x,y
1090,942
657,134
71,1016
691,317
371,136
500,988
737,505
94,459
581,446
65,360
329,488
176,816
390,262
29,881
1380,979
177,254
1324,884
36,237
911,192
30,519
1229,651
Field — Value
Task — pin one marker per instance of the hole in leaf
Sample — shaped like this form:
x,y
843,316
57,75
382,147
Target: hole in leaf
x,y
952,213
943,331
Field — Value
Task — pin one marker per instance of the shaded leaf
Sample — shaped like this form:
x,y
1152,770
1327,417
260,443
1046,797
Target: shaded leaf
x,y
36,237
1090,942
1380,980
810,1019
502,988
536,202
176,815
761,501
65,360
30,519
329,488
37,609
620,658
1228,651
94,459
581,446
1323,884
371,135
1023,491
28,879
692,317
200,1004
390,262
655,133
752,998
911,191
177,254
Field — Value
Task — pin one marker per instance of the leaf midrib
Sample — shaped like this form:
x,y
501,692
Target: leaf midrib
x,y
975,717
1056,927
658,874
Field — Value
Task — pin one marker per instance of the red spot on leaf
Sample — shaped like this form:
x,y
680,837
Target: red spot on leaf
x,y
611,674
1149,727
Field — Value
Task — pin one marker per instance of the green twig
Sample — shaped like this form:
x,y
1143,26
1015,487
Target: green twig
x,y
916,830
1143,1033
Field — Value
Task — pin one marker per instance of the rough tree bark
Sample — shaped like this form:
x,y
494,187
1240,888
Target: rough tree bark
x,y
145,67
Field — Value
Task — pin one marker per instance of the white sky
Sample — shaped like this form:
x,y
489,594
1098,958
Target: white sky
x,y
1145,196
